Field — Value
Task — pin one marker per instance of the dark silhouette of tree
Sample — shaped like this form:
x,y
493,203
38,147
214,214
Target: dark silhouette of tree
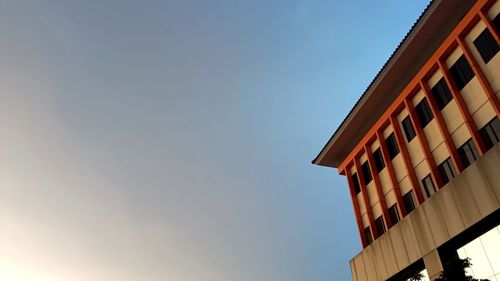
x,y
455,270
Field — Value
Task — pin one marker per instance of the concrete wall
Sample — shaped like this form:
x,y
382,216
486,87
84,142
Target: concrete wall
x,y
464,201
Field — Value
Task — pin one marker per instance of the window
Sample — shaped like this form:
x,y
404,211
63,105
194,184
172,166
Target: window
x,y
424,113
392,146
355,182
490,133
408,129
368,235
486,45
496,22
367,175
446,170
461,72
441,93
428,186
379,223
379,160
408,202
467,153
394,214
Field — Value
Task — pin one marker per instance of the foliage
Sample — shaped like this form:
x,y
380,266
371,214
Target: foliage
x,y
455,270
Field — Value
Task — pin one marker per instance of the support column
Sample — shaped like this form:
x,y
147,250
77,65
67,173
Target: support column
x,y
485,84
433,264
378,186
450,145
392,174
407,159
366,198
355,205
424,144
484,17
462,107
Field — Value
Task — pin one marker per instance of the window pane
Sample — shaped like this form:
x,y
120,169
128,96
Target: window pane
x,y
467,153
428,186
394,214
379,223
355,182
408,129
490,133
379,161
461,72
367,175
408,201
368,235
392,146
446,171
441,94
424,113
486,45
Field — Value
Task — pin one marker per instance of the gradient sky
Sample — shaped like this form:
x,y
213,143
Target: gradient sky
x,y
171,140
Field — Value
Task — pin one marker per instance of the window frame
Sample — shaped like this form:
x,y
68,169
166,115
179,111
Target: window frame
x,y
379,160
461,72
408,129
486,45
467,151
490,133
442,94
409,204
380,225
394,214
392,145
424,113
446,171
355,183
366,172
428,186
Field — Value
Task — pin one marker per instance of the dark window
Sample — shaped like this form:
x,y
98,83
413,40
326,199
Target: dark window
x,y
408,201
367,175
424,113
496,22
467,153
408,129
486,45
461,72
394,214
490,133
379,223
392,146
379,161
446,170
441,94
368,235
428,186
355,182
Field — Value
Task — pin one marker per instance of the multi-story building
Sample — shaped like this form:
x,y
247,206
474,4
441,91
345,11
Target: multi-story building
x,y
420,149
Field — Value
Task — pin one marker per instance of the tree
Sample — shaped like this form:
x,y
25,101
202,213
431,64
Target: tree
x,y
455,270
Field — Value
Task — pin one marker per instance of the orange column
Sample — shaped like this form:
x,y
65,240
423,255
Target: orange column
x,y
485,84
355,205
424,144
462,107
392,173
406,157
484,17
366,198
378,186
450,145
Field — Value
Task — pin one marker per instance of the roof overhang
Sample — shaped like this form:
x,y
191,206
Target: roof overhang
x,y
429,31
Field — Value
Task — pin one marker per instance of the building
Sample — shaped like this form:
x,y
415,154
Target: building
x,y
420,150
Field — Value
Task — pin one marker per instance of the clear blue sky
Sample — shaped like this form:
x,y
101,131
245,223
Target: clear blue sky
x,y
171,140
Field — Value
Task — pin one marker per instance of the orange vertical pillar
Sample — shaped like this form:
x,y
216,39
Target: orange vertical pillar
x,y
355,205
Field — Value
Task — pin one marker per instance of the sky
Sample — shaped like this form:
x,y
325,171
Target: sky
x,y
172,140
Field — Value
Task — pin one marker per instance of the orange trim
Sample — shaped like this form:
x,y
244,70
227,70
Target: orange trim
x,y
392,173
450,145
484,17
424,144
366,198
443,50
355,205
490,94
462,107
407,159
